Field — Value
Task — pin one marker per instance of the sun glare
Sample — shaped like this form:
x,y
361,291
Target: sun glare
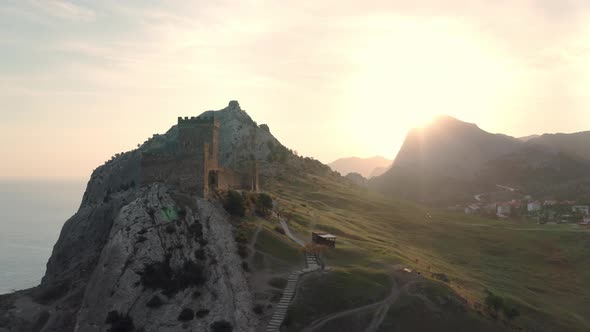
x,y
410,72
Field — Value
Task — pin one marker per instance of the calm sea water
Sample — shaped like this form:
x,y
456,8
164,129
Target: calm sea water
x,y
32,213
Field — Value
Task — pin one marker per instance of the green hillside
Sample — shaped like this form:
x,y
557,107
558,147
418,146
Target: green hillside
x,y
543,272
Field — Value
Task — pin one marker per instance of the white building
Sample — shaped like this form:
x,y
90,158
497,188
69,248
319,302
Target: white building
x,y
533,206
583,209
471,209
503,210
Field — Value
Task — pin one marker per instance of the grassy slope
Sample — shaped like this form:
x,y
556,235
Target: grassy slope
x,y
544,270
334,292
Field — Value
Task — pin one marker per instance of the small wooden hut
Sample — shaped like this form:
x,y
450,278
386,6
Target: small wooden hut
x,y
324,239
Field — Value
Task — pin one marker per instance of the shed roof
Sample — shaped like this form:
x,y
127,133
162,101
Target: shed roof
x,y
327,236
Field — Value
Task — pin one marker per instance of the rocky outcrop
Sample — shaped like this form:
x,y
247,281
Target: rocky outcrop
x,y
152,258
160,254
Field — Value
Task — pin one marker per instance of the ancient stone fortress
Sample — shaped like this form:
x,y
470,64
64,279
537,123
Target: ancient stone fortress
x,y
193,163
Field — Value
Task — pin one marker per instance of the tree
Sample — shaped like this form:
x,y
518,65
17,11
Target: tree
x,y
235,203
264,203
494,301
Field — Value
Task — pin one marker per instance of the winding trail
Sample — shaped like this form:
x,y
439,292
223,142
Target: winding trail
x,y
312,264
381,308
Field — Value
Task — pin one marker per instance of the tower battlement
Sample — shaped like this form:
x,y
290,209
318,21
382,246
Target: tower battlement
x,y
197,121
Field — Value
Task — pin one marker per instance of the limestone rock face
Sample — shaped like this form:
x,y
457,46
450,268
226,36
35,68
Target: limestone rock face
x,y
150,232
156,254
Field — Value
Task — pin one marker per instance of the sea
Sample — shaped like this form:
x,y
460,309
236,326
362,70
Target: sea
x,y
32,212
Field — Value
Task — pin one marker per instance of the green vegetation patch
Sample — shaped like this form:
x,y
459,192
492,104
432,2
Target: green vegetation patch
x,y
169,213
542,270
280,248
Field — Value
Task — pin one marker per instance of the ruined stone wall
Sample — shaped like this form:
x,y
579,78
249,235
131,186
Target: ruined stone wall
x,y
182,171
196,165
194,132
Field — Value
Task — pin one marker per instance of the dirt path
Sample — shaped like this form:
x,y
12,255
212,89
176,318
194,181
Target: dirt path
x,y
381,308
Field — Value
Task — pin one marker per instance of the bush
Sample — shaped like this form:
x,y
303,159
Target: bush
x,y
510,313
496,304
235,204
155,302
200,254
119,323
264,203
441,277
170,229
277,282
245,266
196,230
186,314
159,275
221,326
258,309
243,251
279,230
202,313
494,301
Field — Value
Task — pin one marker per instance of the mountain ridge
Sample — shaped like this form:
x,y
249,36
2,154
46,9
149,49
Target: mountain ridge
x,y
449,160
367,167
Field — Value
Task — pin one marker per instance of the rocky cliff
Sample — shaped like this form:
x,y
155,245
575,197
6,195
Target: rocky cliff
x,y
151,258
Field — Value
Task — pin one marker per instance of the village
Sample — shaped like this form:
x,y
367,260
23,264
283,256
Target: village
x,y
507,204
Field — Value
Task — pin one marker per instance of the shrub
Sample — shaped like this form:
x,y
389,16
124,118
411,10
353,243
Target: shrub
x,y
155,302
221,326
258,309
245,266
243,251
235,203
264,203
277,282
496,304
279,230
202,313
119,323
170,229
191,275
441,277
159,275
186,314
196,230
494,301
511,313
200,254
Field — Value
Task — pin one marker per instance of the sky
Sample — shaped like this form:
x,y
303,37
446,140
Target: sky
x,y
83,80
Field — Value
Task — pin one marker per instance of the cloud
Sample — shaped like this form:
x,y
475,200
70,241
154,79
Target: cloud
x,y
65,10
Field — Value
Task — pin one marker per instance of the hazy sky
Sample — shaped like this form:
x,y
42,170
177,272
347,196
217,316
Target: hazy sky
x,y
82,80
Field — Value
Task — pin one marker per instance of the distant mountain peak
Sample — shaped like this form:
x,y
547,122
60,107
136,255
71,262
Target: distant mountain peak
x,y
367,167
